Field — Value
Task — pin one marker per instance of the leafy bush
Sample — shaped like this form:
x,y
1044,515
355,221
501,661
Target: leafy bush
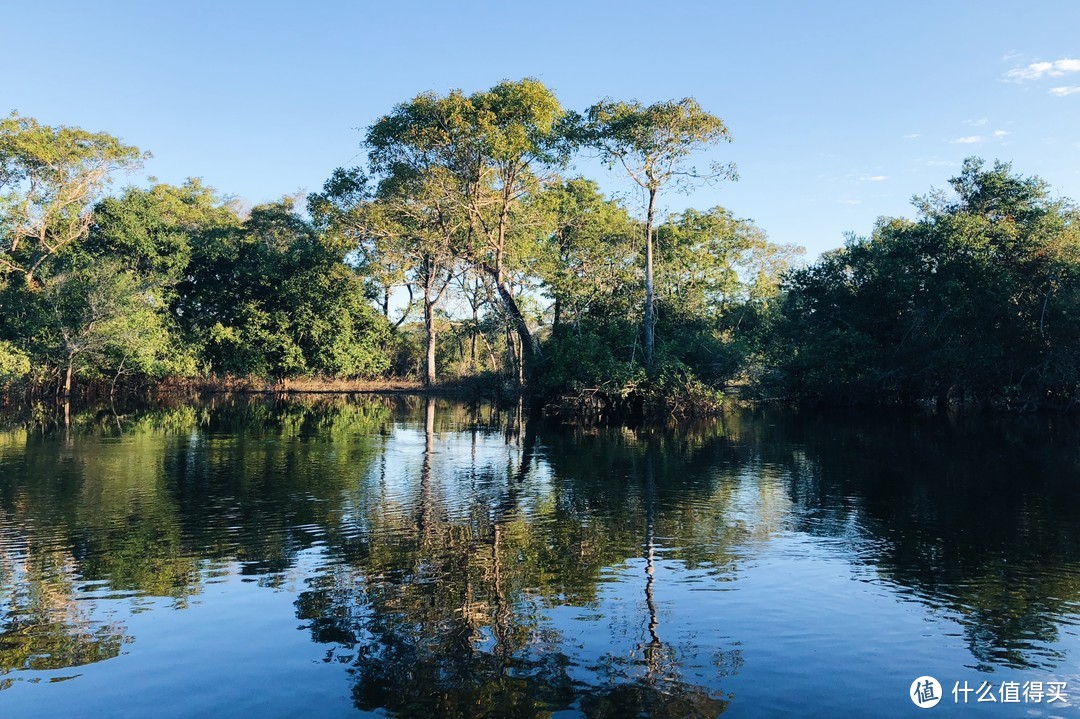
x,y
14,363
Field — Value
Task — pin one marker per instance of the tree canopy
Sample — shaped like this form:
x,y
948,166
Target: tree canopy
x,y
50,178
463,248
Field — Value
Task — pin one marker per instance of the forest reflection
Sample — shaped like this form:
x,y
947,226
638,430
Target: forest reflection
x,y
468,560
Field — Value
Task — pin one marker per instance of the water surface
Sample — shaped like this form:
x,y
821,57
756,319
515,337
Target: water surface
x,y
415,558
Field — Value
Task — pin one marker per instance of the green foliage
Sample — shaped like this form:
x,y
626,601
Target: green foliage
x,y
653,142
151,231
718,278
976,296
49,180
351,221
102,316
162,281
591,356
511,123
710,262
478,157
102,309
269,299
14,363
512,267
587,262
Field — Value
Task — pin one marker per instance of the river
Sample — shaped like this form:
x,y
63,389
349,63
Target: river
x,y
409,557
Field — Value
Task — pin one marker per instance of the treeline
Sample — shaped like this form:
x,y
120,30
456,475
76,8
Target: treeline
x,y
462,248
976,302
465,247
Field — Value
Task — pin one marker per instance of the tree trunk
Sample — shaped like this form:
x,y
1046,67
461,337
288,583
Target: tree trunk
x,y
490,352
529,346
650,316
472,338
429,325
521,365
67,376
511,351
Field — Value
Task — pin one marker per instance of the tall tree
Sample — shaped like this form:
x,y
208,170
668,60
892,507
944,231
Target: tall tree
x,y
653,143
417,221
491,149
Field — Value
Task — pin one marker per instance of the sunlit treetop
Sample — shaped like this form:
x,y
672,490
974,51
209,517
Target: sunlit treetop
x,y
653,142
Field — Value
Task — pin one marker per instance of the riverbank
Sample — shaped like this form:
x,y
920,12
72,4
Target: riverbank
x,y
645,402
657,401
306,385
180,387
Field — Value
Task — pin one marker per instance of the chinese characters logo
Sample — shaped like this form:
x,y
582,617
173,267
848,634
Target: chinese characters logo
x,y
925,692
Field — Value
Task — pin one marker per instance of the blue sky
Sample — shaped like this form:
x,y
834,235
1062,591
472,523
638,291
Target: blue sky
x,y
840,111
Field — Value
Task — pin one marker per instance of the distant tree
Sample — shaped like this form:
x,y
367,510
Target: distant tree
x,y
341,214
408,233
151,231
14,363
710,262
588,263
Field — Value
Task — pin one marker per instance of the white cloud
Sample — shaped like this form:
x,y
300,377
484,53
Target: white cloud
x,y
1036,70
969,140
874,178
912,136
1000,133
1066,90
979,123
850,202
1011,56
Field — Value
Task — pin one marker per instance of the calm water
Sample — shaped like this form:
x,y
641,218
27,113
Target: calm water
x,y
399,557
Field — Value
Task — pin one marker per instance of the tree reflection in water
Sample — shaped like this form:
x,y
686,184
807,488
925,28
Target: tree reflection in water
x,y
42,626
461,548
451,620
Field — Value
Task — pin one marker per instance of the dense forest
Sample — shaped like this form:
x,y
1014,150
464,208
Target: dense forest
x,y
466,248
